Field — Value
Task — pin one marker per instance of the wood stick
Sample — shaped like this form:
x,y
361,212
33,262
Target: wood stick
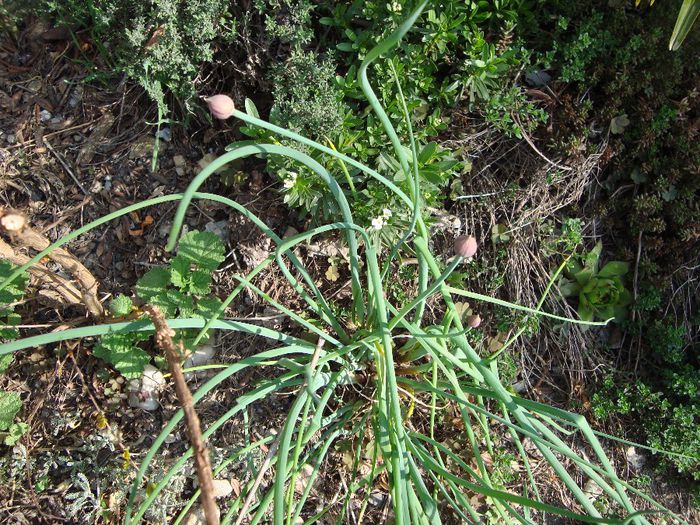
x,y
164,340
28,237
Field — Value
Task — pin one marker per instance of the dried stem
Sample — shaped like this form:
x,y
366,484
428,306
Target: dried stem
x,y
65,292
27,237
164,340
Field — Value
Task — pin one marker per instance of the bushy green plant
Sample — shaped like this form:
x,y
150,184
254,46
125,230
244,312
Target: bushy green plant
x,y
307,99
451,59
162,44
340,371
182,289
600,291
287,20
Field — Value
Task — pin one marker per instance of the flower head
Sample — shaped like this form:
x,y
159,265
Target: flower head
x,y
290,180
465,246
474,321
377,223
221,106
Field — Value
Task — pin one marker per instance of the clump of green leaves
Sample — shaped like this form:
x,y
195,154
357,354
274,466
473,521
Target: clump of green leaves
x,y
289,21
307,99
10,402
10,405
181,290
601,293
8,295
162,44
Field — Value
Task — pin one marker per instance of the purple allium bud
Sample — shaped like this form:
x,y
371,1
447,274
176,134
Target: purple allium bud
x,y
474,321
221,106
465,246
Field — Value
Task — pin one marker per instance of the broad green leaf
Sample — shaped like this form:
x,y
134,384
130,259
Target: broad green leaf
x,y
171,301
606,312
120,351
625,297
14,290
5,361
16,431
121,306
205,249
10,405
207,307
614,269
199,282
179,272
583,277
153,283
585,313
250,108
592,258
570,289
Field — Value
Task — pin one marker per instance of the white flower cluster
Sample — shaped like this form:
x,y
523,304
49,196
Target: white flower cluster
x,y
378,222
290,180
394,7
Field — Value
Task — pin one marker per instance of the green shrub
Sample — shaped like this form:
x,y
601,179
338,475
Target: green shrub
x,y
306,97
162,44
667,402
287,20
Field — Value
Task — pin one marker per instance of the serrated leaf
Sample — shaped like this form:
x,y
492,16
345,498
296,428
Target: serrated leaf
x,y
10,405
200,282
16,431
15,289
207,307
205,249
121,306
179,272
170,301
121,352
153,283
5,361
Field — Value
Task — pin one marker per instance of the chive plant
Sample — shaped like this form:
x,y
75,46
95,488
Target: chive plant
x,y
429,482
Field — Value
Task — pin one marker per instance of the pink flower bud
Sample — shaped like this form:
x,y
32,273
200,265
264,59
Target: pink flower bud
x,y
474,321
221,106
465,246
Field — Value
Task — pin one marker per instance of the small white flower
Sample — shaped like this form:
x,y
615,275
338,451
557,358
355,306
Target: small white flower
x,y
386,213
377,223
290,180
395,7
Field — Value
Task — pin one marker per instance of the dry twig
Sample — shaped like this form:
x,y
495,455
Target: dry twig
x,y
61,289
30,238
164,340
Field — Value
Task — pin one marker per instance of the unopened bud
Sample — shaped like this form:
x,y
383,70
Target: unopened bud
x,y
473,321
221,106
465,246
